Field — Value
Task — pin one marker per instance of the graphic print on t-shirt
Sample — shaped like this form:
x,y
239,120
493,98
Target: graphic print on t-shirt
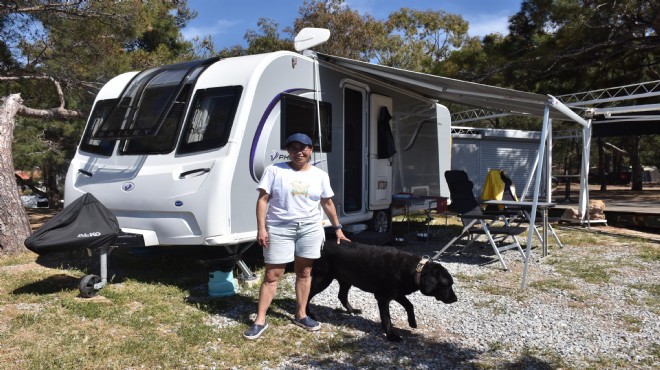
x,y
299,188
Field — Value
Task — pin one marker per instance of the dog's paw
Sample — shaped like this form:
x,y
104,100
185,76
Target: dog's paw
x,y
412,323
355,311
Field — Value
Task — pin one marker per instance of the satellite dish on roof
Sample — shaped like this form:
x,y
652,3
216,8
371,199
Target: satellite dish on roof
x,y
310,37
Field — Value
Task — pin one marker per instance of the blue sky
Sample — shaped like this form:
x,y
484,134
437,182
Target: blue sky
x,y
226,21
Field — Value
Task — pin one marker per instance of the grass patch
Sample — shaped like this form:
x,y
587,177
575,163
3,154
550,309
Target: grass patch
x,y
155,315
649,252
653,300
591,271
17,259
632,323
553,284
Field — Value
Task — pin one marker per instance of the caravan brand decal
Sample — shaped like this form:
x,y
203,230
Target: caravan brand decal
x,y
262,133
127,186
276,155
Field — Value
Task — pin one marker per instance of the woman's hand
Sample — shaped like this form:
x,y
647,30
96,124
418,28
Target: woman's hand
x,y
262,238
340,236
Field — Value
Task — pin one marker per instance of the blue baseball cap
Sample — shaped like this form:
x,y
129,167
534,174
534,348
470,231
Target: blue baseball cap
x,y
301,138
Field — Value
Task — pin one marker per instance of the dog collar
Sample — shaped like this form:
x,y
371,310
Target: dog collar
x,y
418,269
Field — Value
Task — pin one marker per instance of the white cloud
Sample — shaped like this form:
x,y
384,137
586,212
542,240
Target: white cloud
x,y
221,26
483,24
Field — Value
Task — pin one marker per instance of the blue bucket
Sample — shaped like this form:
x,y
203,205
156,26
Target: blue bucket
x,y
222,284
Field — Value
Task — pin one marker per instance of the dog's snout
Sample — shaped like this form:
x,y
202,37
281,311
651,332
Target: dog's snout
x,y
447,297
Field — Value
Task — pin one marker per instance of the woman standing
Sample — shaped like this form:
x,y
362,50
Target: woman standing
x,y
289,227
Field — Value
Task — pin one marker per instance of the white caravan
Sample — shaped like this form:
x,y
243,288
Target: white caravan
x,y
175,152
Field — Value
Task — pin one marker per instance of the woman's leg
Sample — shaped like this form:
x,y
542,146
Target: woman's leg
x,y
268,289
310,238
303,268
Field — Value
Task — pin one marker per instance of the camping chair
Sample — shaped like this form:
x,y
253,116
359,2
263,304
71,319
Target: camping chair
x,y
475,221
506,190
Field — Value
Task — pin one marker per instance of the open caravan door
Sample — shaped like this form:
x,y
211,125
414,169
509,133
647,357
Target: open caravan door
x,y
381,150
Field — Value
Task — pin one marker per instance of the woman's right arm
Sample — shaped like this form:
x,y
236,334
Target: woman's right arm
x,y
262,206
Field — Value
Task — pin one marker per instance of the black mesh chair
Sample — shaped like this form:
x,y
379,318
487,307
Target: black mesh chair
x,y
476,222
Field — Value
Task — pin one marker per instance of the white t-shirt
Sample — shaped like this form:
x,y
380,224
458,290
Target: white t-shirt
x,y
294,195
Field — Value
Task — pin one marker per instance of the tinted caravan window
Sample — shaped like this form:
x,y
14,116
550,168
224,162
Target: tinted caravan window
x,y
149,114
163,142
210,119
162,96
299,115
101,111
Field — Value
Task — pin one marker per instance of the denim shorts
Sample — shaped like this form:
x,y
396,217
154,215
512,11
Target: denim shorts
x,y
286,240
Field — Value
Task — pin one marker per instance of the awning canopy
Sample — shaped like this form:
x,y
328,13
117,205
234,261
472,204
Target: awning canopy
x,y
451,90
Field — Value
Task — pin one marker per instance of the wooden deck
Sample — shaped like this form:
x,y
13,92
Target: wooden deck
x,y
623,207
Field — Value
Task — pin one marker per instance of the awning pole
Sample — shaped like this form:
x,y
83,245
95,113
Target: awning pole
x,y
535,198
584,178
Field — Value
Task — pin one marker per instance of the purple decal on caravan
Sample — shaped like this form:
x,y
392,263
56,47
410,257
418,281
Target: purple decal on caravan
x,y
260,127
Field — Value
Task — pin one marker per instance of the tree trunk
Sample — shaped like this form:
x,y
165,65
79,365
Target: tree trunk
x,y
50,182
635,163
14,222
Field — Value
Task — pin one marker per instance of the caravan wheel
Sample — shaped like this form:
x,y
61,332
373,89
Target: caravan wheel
x,y
87,283
381,221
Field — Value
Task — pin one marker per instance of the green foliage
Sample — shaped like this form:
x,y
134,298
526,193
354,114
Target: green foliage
x,y
418,40
268,39
567,46
352,35
81,45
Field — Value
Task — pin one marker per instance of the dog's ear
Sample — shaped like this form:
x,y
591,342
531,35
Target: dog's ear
x,y
427,280
434,275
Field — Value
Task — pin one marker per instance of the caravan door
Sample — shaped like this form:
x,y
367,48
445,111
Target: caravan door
x,y
381,149
355,149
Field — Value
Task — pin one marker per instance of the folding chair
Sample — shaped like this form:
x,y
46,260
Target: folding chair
x,y
475,222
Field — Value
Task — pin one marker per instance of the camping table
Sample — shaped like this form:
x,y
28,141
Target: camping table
x,y
526,207
425,203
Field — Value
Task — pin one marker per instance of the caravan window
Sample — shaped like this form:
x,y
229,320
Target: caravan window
x,y
102,147
161,93
210,119
149,114
299,115
153,99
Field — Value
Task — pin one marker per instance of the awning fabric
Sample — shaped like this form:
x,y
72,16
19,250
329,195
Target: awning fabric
x,y
451,90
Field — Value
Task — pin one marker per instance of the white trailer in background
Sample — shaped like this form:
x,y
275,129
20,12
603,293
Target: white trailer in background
x,y
175,152
479,150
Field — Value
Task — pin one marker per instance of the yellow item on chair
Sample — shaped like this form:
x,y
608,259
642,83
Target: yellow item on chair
x,y
493,188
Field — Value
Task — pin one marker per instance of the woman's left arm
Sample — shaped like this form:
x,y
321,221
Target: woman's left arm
x,y
330,210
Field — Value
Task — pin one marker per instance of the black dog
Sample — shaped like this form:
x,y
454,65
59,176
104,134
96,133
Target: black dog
x,y
388,273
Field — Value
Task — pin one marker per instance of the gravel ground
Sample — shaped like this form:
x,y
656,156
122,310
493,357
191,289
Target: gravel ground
x,y
495,324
